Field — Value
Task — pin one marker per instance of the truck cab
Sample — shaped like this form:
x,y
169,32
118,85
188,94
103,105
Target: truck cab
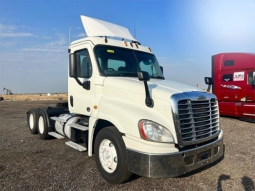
x,y
233,75
122,110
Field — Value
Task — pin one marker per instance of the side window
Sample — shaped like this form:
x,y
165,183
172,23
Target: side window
x,y
251,76
228,62
83,63
227,77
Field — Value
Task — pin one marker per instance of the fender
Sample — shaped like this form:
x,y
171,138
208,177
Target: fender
x,y
52,112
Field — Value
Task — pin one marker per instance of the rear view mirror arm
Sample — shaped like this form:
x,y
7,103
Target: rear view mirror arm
x,y
209,82
144,76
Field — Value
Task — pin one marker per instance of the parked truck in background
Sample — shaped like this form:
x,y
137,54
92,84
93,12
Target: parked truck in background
x,y
233,76
122,110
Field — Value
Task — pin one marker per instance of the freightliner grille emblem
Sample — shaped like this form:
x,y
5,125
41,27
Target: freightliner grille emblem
x,y
201,98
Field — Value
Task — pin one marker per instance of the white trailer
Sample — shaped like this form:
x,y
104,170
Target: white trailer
x,y
122,110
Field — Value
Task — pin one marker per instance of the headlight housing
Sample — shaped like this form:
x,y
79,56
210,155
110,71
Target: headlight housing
x,y
152,131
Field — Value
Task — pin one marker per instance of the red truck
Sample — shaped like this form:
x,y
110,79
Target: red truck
x,y
233,82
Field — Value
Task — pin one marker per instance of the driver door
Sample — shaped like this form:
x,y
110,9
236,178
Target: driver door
x,y
81,98
249,105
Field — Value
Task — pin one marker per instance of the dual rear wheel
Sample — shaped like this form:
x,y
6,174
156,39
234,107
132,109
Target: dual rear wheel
x,y
43,127
37,123
32,120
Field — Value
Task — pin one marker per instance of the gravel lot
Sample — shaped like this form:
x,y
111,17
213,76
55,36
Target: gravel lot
x,y
29,163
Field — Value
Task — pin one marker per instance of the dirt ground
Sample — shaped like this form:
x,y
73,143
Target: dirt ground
x,y
33,97
29,163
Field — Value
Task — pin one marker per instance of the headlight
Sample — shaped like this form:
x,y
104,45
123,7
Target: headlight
x,y
152,131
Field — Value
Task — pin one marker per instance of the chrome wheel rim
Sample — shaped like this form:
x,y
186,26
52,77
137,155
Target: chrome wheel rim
x,y
108,156
31,121
41,124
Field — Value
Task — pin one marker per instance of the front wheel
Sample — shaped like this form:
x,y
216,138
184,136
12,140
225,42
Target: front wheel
x,y
110,155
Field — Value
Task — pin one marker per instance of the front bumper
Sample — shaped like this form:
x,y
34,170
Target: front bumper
x,y
174,164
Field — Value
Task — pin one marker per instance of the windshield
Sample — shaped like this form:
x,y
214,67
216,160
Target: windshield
x,y
115,61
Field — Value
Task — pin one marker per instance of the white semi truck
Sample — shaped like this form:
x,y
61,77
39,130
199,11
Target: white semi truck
x,y
121,109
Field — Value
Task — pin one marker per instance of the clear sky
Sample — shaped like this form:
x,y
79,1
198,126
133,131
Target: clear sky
x,y
183,34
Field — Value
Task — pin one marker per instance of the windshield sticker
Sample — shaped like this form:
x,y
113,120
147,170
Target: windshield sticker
x,y
231,87
110,51
238,76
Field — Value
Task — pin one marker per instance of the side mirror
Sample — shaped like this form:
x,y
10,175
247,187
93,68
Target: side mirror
x,y
253,83
72,66
143,76
162,69
208,81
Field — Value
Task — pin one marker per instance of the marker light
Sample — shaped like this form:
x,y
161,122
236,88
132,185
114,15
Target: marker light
x,y
152,131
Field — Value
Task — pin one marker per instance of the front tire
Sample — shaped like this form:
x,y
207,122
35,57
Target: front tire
x,y
110,155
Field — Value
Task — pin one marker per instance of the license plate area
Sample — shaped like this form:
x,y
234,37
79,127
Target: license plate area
x,y
204,155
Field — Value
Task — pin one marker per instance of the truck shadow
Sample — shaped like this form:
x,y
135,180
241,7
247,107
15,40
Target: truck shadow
x,y
133,178
221,179
247,182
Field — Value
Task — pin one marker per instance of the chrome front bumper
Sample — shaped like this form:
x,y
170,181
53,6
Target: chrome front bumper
x,y
175,164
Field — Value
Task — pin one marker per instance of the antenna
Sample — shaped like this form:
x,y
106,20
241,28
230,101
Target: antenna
x,y
70,27
134,30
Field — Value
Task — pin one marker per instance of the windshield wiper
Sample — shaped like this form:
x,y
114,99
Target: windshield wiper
x,y
129,74
159,77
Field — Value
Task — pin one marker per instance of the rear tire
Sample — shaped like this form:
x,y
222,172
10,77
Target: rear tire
x,y
32,120
110,155
43,128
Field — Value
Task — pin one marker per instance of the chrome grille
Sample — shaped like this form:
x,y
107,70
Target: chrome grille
x,y
198,119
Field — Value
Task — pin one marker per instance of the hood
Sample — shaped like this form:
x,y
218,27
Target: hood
x,y
158,88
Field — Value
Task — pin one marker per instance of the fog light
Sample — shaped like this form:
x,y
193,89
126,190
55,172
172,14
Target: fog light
x,y
189,160
215,150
